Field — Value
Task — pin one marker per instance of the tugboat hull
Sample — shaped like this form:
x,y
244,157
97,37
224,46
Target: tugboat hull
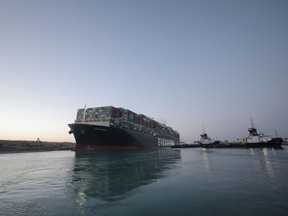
x,y
273,143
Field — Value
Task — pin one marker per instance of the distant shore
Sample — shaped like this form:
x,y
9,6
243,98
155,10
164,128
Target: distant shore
x,y
14,146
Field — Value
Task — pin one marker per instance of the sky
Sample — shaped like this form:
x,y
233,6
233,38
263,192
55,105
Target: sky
x,y
188,63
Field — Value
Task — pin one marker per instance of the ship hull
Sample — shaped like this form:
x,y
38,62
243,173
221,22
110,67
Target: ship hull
x,y
100,138
209,145
273,143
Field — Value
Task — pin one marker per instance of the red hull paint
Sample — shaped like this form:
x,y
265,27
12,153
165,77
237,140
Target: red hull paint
x,y
107,148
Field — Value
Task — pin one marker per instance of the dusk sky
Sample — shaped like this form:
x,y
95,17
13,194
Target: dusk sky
x,y
191,63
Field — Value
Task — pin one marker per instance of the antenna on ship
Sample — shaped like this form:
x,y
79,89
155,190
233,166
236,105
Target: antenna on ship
x,y
203,129
84,114
252,124
276,132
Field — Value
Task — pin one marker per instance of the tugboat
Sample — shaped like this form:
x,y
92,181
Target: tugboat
x,y
259,140
206,142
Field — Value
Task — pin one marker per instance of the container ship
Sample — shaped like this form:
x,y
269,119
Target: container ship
x,y
112,128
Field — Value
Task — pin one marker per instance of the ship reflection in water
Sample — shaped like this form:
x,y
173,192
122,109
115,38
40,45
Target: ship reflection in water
x,y
263,161
111,176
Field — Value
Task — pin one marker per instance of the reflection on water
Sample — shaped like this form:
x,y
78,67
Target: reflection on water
x,y
110,176
231,181
206,159
263,161
268,166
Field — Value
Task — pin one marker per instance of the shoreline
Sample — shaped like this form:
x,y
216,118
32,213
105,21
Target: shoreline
x,y
19,146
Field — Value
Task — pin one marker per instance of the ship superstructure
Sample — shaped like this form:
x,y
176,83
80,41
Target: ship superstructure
x,y
205,140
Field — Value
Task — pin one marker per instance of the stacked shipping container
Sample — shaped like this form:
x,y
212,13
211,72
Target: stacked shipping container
x,y
125,119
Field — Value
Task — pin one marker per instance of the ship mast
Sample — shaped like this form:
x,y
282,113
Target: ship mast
x,y
203,129
252,124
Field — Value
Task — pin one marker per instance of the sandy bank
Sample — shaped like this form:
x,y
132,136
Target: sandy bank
x,y
28,146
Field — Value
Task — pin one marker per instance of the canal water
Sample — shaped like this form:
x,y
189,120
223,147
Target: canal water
x,y
148,182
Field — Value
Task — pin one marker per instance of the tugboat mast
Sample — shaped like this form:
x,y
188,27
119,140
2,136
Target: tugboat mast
x,y
203,129
276,132
252,124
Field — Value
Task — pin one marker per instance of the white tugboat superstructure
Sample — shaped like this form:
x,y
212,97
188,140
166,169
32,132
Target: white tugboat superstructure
x,y
206,140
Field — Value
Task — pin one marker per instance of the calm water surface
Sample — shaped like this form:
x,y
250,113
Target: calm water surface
x,y
154,182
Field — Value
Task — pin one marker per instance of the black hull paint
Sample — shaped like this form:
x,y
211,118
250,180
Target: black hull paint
x,y
274,143
95,137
